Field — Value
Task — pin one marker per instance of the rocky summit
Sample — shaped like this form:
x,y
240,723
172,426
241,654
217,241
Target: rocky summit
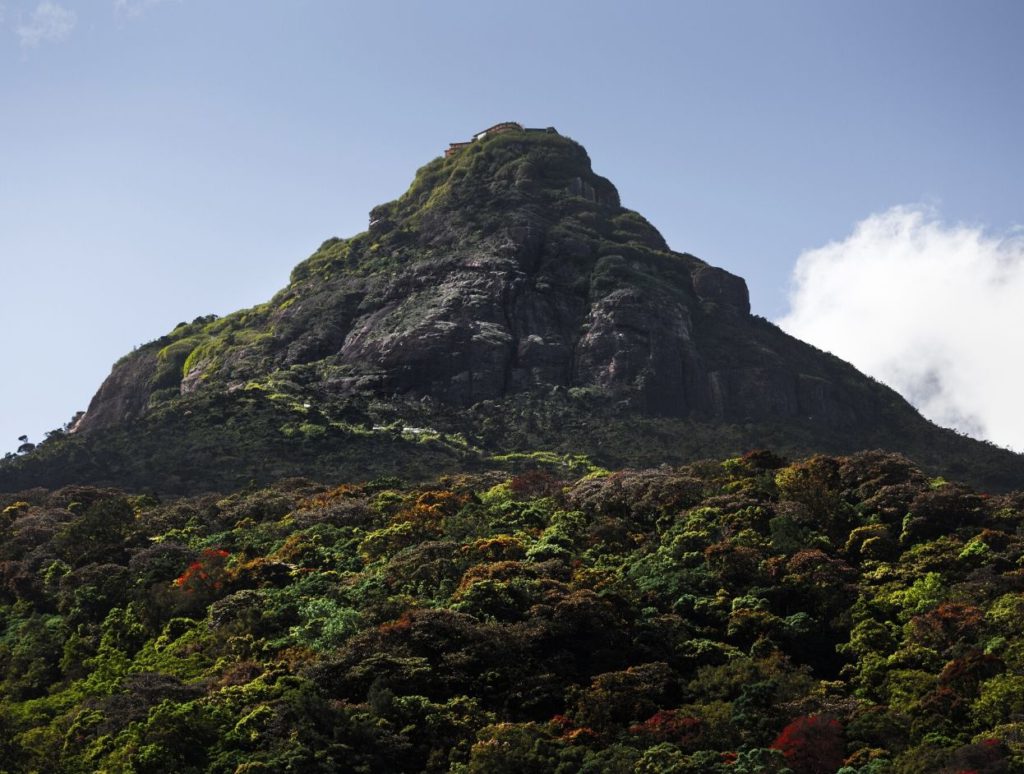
x,y
506,305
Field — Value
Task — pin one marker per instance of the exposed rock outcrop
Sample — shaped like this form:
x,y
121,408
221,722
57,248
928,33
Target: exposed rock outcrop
x,y
508,273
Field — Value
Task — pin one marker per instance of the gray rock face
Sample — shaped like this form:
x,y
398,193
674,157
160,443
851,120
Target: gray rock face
x,y
509,268
124,394
631,345
717,286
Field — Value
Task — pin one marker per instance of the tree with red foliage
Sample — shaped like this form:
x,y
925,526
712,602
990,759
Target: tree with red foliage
x,y
812,744
669,726
205,574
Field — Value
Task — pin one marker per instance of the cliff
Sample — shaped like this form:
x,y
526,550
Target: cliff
x,y
506,302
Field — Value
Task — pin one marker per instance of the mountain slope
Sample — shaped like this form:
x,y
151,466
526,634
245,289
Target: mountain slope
x,y
506,302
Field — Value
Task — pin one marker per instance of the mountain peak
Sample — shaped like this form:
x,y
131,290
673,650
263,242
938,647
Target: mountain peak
x,y
505,302
503,171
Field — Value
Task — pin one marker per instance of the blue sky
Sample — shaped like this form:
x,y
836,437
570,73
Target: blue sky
x,y
163,159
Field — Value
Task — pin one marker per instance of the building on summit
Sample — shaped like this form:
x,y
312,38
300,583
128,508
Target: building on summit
x,y
505,126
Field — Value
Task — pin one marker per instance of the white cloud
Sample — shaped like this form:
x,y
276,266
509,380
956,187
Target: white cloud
x,y
934,310
49,23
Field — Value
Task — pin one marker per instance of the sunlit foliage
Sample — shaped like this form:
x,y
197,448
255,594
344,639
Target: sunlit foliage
x,y
833,614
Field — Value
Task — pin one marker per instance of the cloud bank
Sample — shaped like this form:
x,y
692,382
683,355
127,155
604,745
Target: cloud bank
x,y
49,23
934,310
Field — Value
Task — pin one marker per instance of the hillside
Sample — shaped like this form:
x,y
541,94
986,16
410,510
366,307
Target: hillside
x,y
749,615
506,303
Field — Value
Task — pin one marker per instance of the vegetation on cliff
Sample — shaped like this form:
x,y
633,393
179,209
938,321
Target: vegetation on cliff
x,y
750,615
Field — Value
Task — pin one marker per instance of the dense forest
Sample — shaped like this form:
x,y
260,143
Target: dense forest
x,y
749,615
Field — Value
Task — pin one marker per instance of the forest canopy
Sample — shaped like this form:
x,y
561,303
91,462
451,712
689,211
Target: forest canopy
x,y
748,615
